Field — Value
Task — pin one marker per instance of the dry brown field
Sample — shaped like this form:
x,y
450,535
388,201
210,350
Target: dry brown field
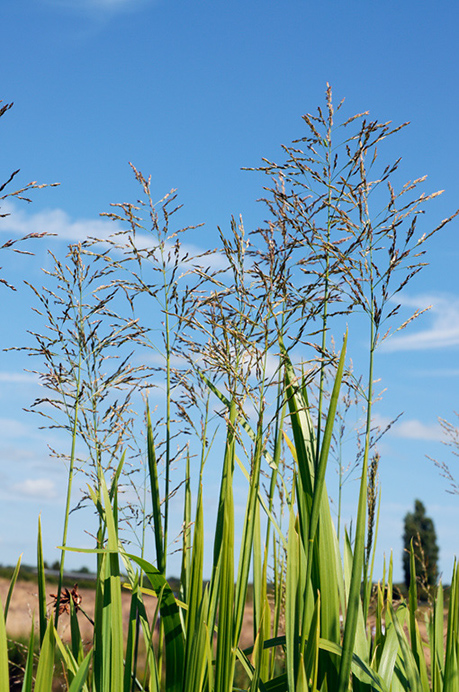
x,y
24,608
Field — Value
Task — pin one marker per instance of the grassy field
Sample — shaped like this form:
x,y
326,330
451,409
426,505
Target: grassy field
x,y
295,608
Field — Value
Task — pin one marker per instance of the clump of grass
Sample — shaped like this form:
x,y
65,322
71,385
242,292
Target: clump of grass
x,y
244,343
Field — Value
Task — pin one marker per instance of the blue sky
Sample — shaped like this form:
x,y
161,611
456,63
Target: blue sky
x,y
191,93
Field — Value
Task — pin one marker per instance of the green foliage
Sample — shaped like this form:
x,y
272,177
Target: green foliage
x,y
419,531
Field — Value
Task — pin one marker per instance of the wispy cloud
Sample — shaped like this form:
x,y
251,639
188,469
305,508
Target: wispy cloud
x,y
55,221
10,427
412,429
417,430
18,377
102,6
443,324
437,372
36,488
59,223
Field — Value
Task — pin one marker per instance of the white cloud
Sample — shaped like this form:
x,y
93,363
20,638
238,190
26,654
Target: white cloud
x,y
54,221
416,430
102,6
446,372
18,377
411,429
443,328
13,454
109,4
39,488
10,427
59,223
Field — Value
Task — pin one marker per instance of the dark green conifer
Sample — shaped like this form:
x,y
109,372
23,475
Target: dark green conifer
x,y
420,529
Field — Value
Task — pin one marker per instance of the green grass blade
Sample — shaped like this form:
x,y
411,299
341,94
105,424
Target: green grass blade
x,y
28,670
41,585
195,614
4,667
45,669
437,649
415,637
311,654
303,433
100,637
319,507
76,642
259,581
354,603
113,492
199,653
390,580
243,423
319,480
317,529
247,543
112,597
451,679
151,677
224,554
302,681
155,496
277,684
389,653
175,655
70,662
185,570
79,681
292,627
226,479
406,661
413,600
130,658
259,654
368,585
11,586
115,481
360,641
266,506
379,637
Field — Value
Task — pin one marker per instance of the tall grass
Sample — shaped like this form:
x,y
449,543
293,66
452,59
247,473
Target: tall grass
x,y
247,347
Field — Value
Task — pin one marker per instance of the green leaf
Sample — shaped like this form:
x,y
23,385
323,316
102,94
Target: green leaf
x,y
311,655
224,563
155,495
45,669
41,585
113,614
81,675
11,586
194,616
77,644
406,662
4,671
28,670
247,543
175,655
451,678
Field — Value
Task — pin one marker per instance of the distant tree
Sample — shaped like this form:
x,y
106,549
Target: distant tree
x,y
420,529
